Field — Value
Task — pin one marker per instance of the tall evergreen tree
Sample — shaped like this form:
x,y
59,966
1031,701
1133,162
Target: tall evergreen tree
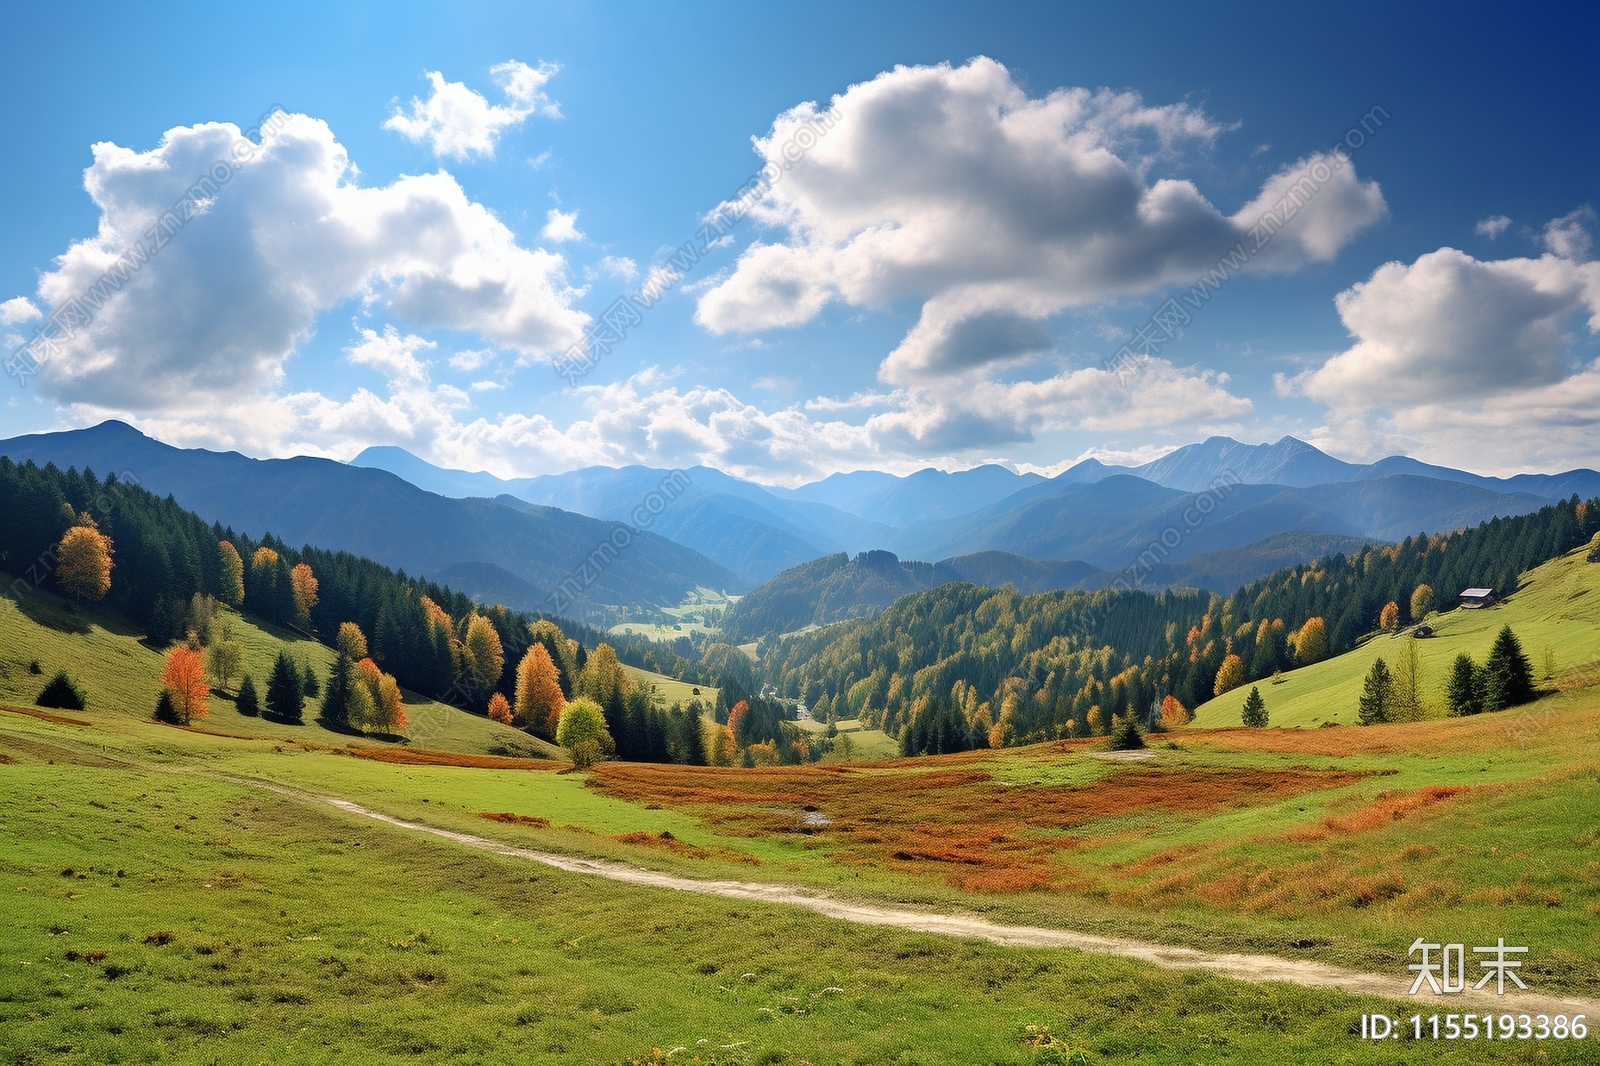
x,y
1255,709
248,703
336,695
286,692
1377,695
1507,675
1464,692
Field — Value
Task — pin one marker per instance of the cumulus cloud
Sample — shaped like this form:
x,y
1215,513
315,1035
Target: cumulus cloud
x,y
1568,236
224,300
952,187
458,122
1455,358
561,226
1451,327
1492,226
17,310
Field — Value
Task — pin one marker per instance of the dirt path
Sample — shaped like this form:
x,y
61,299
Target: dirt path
x,y
1239,966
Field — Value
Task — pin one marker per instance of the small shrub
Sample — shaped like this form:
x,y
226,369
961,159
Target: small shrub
x,y
1127,737
165,711
35,668
61,693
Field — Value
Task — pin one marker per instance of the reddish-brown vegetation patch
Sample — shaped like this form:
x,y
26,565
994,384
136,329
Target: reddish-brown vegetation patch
x,y
663,840
1386,809
427,757
45,716
958,823
515,819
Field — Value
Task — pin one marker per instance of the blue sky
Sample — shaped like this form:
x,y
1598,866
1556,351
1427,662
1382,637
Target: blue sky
x,y
997,198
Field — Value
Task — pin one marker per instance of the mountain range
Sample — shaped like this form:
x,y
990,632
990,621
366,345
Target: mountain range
x,y
1211,515
499,551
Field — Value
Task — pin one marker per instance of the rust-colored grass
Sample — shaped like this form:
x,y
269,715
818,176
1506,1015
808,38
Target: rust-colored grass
x,y
955,822
44,716
1386,809
515,819
428,757
663,840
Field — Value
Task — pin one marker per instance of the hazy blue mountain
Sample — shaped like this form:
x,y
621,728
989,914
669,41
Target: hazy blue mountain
x,y
838,587
933,494
379,515
739,524
1195,467
1297,464
1115,522
845,491
437,479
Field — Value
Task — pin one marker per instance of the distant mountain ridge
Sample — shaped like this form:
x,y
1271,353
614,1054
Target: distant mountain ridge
x,y
379,515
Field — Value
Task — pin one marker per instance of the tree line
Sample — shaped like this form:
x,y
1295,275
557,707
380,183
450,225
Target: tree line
x,y
962,666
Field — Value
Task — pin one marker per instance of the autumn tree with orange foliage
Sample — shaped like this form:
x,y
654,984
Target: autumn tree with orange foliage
x,y
1230,676
185,681
1311,642
499,709
1173,713
375,701
83,560
1389,617
736,722
539,699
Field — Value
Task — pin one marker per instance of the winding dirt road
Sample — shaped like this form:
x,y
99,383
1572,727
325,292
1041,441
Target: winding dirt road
x,y
1238,966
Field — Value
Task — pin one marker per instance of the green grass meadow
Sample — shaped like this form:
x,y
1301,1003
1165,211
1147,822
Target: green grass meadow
x,y
182,895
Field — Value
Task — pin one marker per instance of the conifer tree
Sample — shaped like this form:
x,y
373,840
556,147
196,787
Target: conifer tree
x,y
1255,709
1377,695
1464,693
248,703
1507,675
286,692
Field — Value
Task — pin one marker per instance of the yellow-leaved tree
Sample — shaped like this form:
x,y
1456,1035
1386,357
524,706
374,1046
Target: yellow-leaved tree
x,y
83,560
303,584
232,573
1230,676
484,657
539,699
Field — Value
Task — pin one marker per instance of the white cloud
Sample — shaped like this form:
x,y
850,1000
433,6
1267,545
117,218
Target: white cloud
x,y
1492,226
560,227
470,359
952,187
1474,363
217,310
1568,236
392,355
1451,327
619,266
458,122
18,309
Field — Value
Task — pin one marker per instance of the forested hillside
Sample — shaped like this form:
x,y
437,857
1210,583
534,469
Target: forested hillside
x,y
151,561
962,666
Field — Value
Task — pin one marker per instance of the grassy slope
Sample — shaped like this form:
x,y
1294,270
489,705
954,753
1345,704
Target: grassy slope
x,y
121,675
244,926
669,690
869,743
1557,608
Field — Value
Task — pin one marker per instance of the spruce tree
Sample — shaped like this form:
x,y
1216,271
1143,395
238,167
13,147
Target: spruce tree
x,y
286,692
336,696
1255,709
1508,675
1464,692
1377,695
165,711
694,740
249,704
